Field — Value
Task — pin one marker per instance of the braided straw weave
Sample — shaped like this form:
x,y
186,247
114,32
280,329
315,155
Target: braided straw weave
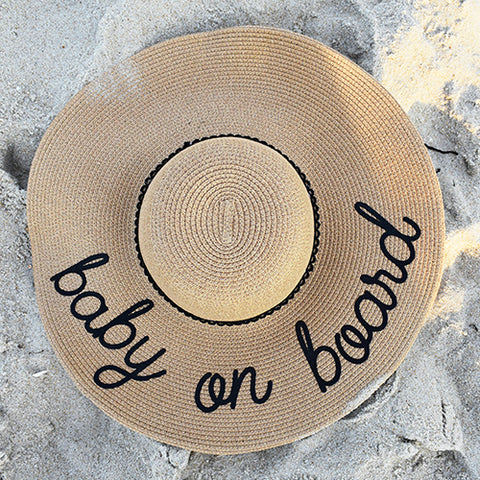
x,y
236,193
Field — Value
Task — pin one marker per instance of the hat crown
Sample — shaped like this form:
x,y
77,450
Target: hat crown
x,y
226,229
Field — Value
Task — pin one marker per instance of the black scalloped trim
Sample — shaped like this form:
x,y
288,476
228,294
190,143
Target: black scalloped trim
x,y
308,270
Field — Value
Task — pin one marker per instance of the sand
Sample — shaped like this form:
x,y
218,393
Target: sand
x,y
421,423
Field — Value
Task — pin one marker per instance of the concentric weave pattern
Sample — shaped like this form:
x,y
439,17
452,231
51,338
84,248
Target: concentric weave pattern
x,y
227,229
264,383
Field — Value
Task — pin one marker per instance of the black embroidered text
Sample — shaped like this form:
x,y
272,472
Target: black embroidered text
x,y
217,387
360,337
134,368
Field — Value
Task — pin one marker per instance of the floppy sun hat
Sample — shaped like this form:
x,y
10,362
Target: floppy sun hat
x,y
235,235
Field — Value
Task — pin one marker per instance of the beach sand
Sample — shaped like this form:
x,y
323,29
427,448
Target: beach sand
x,y
421,423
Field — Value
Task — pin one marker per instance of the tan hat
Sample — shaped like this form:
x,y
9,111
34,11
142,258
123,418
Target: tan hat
x,y
235,235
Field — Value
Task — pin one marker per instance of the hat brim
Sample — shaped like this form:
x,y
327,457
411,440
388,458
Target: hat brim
x,y
373,182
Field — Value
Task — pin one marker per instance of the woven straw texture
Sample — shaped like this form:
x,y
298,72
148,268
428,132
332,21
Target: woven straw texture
x,y
300,147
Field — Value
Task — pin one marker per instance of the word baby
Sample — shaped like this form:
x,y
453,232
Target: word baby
x,y
124,321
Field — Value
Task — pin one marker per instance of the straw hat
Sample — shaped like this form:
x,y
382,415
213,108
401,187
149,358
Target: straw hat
x,y
236,236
